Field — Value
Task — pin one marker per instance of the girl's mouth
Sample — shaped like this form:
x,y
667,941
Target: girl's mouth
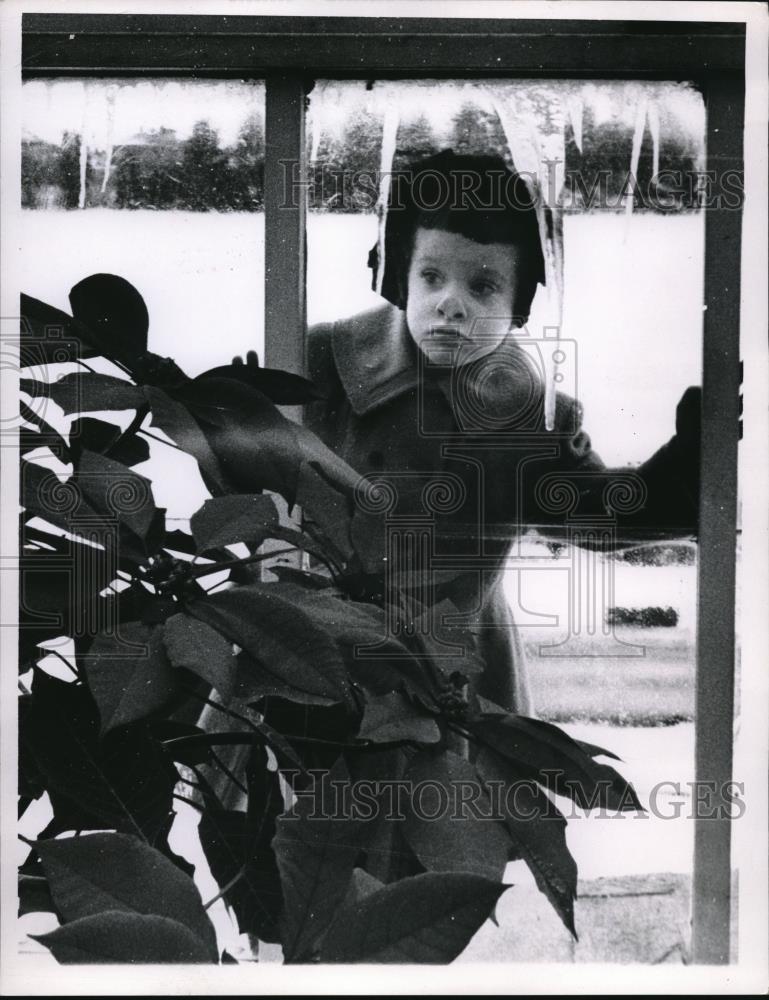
x,y
448,333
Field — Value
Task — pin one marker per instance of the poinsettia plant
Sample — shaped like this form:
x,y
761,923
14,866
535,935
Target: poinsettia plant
x,y
242,684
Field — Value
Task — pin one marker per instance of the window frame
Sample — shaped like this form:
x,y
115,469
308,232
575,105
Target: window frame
x,y
289,52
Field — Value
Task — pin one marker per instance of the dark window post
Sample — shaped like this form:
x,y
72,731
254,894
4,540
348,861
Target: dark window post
x,y
285,197
714,713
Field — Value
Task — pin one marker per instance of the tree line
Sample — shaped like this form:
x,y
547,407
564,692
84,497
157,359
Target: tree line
x,y
158,170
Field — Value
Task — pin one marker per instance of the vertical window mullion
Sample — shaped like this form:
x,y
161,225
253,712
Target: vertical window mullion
x,y
285,244
284,224
714,714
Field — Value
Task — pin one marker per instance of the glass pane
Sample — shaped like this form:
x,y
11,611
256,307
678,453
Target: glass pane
x,y
160,182
608,630
633,235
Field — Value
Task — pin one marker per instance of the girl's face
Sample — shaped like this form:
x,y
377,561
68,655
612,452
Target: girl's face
x,y
460,295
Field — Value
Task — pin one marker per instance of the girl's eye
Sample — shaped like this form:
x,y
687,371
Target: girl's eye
x,y
483,287
430,277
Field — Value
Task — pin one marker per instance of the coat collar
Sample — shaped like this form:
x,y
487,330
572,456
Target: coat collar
x,y
377,361
375,357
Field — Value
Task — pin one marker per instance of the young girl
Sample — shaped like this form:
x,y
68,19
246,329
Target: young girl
x,y
433,395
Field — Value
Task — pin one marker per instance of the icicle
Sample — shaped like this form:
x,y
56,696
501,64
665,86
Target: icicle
x,y
574,109
110,113
525,150
317,105
83,166
635,156
389,136
654,128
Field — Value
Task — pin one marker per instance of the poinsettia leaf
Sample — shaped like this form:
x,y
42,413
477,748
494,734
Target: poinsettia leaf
x,y
35,895
105,438
255,445
451,647
55,601
84,392
450,823
129,675
253,682
316,846
237,842
595,751
50,336
392,718
539,833
118,937
114,313
192,644
429,918
43,435
361,885
281,387
175,420
382,769
180,541
546,753
325,509
124,781
239,518
107,872
278,633
334,470
35,388
375,658
61,502
116,491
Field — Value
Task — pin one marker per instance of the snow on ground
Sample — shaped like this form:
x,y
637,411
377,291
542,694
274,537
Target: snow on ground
x,y
632,297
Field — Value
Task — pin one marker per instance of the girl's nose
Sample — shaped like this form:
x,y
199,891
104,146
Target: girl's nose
x,y
451,307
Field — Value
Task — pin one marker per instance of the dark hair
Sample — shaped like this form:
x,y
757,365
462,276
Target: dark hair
x,y
478,197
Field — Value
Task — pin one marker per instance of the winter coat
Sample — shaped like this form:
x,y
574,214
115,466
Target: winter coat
x,y
466,462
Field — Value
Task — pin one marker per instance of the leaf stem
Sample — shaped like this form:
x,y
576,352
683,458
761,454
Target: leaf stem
x,y
183,798
243,561
133,428
233,882
156,438
228,773
65,661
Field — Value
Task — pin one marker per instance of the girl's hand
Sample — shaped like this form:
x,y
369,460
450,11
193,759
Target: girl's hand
x,y
252,359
